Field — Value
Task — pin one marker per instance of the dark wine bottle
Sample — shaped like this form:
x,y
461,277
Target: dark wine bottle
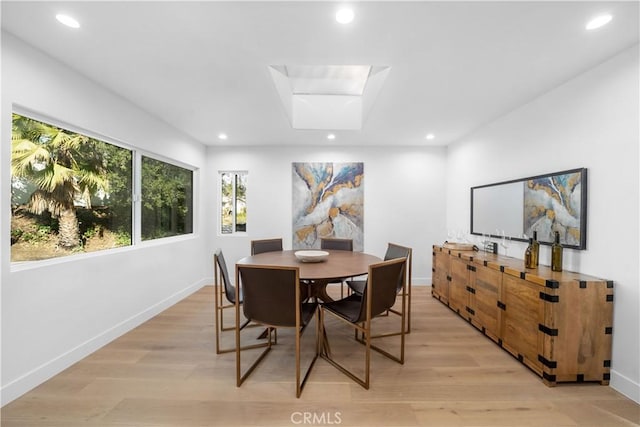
x,y
528,255
556,254
535,250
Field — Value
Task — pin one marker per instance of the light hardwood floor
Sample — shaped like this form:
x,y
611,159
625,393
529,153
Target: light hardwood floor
x,y
166,373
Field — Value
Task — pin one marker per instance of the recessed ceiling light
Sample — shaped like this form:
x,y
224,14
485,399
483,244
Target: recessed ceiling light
x,y
430,136
222,136
67,20
598,22
331,136
344,15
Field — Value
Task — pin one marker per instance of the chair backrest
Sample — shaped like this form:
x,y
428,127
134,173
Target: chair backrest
x,y
396,251
265,245
382,286
221,271
270,294
336,243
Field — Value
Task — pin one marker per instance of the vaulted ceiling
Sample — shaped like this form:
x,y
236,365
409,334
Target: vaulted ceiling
x,y
203,67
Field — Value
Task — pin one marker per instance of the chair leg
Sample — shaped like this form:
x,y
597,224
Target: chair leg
x,y
407,328
240,377
326,355
407,316
408,308
220,327
401,333
399,359
406,322
216,315
301,381
219,319
323,345
272,332
246,324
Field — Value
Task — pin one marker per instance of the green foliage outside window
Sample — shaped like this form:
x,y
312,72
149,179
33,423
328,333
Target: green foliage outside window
x,y
69,192
72,193
233,202
166,199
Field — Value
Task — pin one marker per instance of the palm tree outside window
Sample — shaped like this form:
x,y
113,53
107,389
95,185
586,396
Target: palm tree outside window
x,y
69,192
72,193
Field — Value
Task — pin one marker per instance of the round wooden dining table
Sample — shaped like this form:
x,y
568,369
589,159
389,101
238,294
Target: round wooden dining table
x,y
339,265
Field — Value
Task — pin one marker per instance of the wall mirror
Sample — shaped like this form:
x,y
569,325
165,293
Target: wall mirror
x,y
544,203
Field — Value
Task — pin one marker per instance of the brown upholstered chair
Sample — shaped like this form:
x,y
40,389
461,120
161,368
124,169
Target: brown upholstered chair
x,y
265,245
379,295
334,243
225,298
273,298
393,251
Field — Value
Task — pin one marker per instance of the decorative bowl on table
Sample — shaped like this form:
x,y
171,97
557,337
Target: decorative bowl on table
x,y
311,256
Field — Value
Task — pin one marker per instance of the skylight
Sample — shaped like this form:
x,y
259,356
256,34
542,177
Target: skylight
x,y
332,97
327,79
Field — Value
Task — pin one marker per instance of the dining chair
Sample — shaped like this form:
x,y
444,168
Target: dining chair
x,y
225,298
265,245
358,311
334,243
393,251
273,298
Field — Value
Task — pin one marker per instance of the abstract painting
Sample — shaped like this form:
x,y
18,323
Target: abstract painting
x,y
328,201
556,203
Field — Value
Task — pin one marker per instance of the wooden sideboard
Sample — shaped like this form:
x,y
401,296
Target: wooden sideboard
x,y
559,324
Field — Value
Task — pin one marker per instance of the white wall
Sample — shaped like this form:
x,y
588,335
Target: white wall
x,y
403,187
591,121
57,313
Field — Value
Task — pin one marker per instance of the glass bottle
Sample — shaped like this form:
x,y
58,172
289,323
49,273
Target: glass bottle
x,y
556,254
528,255
535,250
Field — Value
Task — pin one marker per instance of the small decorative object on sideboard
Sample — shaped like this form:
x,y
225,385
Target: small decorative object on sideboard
x,y
535,248
460,246
528,255
556,254
489,246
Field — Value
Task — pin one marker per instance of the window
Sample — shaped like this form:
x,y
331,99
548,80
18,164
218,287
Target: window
x,y
167,199
70,192
233,202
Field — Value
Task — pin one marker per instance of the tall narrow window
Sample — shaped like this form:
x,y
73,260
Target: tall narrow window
x,y
233,202
70,193
167,199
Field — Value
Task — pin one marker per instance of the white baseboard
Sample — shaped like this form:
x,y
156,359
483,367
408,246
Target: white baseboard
x,y
42,373
625,386
421,281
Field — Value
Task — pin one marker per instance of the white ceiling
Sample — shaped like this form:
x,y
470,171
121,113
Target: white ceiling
x,y
203,66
